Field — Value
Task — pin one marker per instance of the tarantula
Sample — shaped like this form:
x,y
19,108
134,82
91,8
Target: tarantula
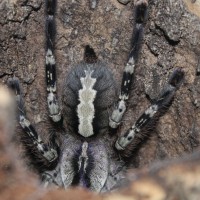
x,y
82,152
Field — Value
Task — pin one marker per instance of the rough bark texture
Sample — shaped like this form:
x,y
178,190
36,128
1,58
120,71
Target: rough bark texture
x,y
172,39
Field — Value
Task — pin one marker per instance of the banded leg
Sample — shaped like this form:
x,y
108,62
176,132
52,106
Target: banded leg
x,y
41,153
52,101
163,100
140,19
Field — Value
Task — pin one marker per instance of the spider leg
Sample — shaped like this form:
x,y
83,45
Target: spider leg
x,y
52,100
140,19
42,154
162,101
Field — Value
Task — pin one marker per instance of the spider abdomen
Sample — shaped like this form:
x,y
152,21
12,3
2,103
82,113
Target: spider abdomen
x,y
89,90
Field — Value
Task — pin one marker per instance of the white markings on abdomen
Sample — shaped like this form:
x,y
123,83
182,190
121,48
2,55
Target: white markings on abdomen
x,y
85,108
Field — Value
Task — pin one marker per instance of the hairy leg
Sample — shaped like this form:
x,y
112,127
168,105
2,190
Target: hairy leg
x,y
162,101
140,19
53,105
41,154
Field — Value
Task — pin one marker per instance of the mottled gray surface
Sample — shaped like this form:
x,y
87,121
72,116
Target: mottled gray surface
x,y
172,38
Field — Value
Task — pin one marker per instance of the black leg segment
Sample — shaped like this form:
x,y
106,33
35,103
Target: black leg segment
x,y
53,105
140,19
